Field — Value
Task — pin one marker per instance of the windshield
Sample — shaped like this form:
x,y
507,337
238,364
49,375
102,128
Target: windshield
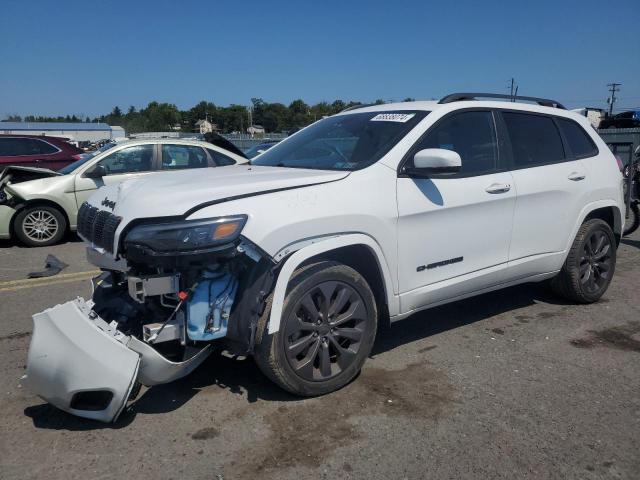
x,y
84,157
342,142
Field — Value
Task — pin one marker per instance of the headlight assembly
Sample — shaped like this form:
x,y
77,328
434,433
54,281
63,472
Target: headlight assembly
x,y
186,236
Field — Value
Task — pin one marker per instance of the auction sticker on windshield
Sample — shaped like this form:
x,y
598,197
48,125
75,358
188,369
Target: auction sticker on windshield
x,y
393,117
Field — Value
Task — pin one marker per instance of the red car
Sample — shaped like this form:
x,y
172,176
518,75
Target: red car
x,y
36,151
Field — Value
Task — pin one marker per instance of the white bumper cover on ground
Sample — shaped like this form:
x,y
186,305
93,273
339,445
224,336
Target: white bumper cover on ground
x,y
85,366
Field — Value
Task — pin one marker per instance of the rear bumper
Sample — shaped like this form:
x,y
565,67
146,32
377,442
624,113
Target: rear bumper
x,y
85,366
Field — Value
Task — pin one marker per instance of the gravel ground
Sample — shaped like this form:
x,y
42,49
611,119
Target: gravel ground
x,y
513,384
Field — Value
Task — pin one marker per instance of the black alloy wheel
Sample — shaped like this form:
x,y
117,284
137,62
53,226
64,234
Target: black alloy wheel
x,y
596,262
324,331
327,329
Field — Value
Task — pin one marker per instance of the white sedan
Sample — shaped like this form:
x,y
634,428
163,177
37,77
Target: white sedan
x,y
38,206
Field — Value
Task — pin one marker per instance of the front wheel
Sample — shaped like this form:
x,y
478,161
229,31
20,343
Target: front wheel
x,y
633,222
588,269
328,327
40,226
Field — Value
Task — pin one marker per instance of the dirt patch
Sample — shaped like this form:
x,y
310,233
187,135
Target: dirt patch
x,y
499,331
205,434
545,315
309,431
426,349
620,337
13,336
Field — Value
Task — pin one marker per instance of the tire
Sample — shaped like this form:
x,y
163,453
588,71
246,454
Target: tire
x,y
40,226
633,222
319,348
589,267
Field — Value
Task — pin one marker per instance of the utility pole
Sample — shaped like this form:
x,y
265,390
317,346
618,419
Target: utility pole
x,y
514,89
613,88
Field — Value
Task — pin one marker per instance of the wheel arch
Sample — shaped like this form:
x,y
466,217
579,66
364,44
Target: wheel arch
x,y
607,210
611,215
358,251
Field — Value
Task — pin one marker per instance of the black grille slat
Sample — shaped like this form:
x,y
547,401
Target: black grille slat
x,y
97,226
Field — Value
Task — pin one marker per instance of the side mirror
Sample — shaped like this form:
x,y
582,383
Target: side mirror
x,y
97,172
431,161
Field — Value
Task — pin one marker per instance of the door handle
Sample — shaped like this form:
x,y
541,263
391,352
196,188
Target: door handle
x,y
576,177
498,188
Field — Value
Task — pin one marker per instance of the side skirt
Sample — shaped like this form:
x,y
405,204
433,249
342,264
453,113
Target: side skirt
x,y
532,278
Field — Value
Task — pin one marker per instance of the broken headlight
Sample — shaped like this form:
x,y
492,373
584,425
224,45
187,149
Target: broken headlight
x,y
188,235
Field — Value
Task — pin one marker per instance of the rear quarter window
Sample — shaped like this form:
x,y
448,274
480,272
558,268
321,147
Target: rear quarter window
x,y
220,159
579,141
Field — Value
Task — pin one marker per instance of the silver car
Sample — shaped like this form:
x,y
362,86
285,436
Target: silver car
x,y
38,206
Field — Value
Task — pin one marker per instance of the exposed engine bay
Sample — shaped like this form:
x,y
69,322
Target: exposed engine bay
x,y
145,324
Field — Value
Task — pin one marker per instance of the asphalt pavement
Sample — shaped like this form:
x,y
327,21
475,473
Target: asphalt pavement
x,y
512,384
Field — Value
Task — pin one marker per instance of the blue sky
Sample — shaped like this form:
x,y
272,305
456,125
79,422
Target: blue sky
x,y
84,57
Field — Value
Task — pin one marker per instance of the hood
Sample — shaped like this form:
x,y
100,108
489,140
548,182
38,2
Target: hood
x,y
23,174
219,141
179,193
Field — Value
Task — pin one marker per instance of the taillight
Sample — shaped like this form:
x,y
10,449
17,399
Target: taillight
x,y
77,156
620,164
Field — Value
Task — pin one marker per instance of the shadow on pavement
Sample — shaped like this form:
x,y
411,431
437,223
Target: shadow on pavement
x,y
240,375
631,243
217,374
464,312
68,238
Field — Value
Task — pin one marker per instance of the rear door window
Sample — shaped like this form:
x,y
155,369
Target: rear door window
x,y
535,140
177,157
580,143
472,135
39,147
13,146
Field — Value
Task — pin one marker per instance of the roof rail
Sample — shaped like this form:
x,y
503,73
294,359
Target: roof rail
x,y
457,97
360,105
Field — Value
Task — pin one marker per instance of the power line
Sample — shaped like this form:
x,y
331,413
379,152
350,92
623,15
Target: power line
x,y
613,88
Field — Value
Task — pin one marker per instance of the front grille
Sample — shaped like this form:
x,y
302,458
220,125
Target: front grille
x,y
97,226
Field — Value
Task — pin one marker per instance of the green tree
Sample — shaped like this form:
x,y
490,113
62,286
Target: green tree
x,y
298,115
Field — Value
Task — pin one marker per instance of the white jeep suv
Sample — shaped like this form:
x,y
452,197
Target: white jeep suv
x,y
369,215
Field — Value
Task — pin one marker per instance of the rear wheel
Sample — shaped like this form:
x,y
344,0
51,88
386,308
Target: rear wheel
x,y
40,226
327,330
588,269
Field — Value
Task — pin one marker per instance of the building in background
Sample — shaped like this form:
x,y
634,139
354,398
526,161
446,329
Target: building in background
x,y
593,114
255,130
205,126
622,142
75,132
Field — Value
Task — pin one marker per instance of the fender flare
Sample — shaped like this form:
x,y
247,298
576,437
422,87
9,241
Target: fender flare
x,y
322,246
586,210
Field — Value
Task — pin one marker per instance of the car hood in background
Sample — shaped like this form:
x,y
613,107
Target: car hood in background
x,y
15,174
180,193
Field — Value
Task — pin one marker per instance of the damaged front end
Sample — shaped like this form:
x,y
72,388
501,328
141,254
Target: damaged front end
x,y
156,313
10,198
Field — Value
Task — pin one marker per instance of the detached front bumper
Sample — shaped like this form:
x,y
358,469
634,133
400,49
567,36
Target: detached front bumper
x,y
85,366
